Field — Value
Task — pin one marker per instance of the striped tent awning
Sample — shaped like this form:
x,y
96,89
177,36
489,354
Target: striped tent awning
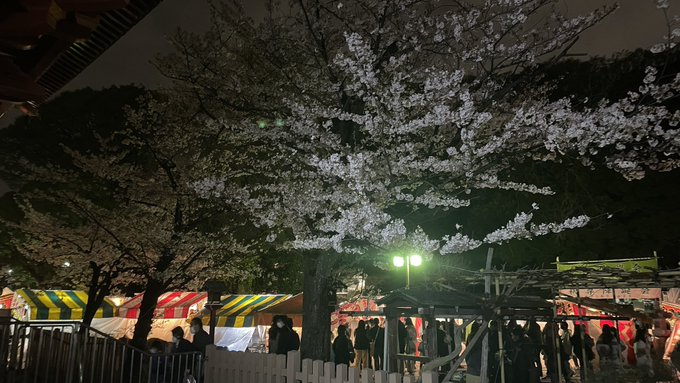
x,y
61,304
6,301
240,310
171,305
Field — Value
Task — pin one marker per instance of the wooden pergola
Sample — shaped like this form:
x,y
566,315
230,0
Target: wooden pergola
x,y
431,304
453,299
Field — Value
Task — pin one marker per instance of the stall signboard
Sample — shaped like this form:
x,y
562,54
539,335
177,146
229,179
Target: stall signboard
x,y
631,265
626,294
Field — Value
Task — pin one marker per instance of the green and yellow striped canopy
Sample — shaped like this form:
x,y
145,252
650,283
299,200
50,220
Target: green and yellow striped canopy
x,y
240,310
62,304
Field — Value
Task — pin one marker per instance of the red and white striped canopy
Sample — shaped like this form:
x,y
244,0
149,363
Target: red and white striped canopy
x,y
171,305
6,301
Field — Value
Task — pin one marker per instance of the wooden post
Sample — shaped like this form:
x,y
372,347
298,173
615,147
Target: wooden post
x,y
556,338
213,321
487,295
432,344
482,332
392,341
501,350
582,332
616,320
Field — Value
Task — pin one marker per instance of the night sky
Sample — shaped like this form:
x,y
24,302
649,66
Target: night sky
x,y
638,23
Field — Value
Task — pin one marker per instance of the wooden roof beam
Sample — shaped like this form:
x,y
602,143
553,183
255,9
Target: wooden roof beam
x,y
90,6
31,24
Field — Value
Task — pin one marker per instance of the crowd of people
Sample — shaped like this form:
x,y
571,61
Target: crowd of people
x,y
557,350
530,352
182,366
367,349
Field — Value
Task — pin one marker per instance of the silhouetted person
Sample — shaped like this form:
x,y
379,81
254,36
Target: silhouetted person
x,y
521,356
181,364
379,351
361,345
371,333
342,347
201,337
587,346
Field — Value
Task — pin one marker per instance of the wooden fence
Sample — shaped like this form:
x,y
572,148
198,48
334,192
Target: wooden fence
x,y
247,367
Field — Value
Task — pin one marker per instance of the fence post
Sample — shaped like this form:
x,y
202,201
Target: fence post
x,y
260,369
292,365
211,364
222,369
354,375
280,369
251,367
381,376
271,368
317,372
429,377
328,372
306,371
340,373
367,375
240,367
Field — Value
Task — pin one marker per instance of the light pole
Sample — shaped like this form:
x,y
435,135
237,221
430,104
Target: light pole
x,y
214,288
410,260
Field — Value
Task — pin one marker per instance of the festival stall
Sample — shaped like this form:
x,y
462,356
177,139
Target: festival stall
x,y
6,299
292,308
172,310
56,305
236,327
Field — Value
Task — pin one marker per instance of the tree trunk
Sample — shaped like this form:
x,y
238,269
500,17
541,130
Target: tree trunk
x,y
316,325
153,290
96,293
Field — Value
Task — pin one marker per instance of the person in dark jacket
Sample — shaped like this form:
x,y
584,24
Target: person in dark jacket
x,y
296,336
282,338
579,347
493,366
533,331
551,342
379,352
521,356
372,333
157,361
361,345
273,334
342,347
402,334
181,364
201,337
179,344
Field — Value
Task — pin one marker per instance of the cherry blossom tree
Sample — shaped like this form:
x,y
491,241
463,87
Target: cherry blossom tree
x,y
332,123
119,213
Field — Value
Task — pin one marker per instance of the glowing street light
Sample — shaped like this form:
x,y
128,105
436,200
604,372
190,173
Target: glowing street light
x,y
414,260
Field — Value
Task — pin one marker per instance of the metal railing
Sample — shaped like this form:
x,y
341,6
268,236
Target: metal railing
x,y
66,352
